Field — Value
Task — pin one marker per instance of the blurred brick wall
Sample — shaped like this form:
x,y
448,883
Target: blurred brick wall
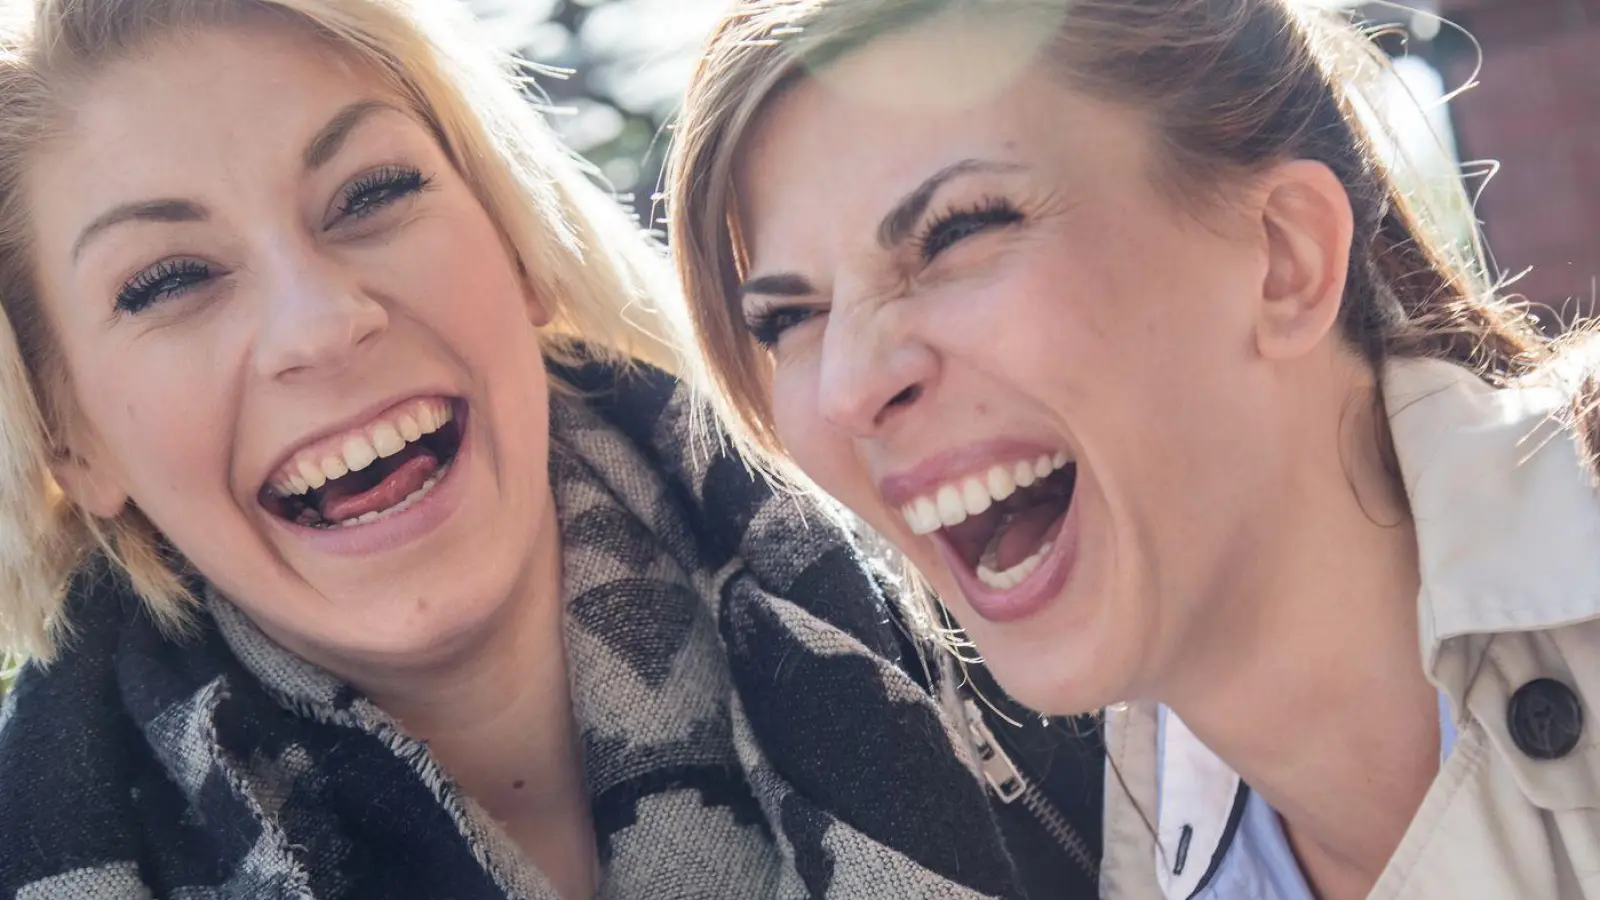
x,y
1537,111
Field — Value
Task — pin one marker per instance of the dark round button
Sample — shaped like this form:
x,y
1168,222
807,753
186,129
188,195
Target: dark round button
x,y
1545,719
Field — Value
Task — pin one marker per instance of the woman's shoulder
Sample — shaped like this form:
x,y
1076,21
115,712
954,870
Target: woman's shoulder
x,y
1507,517
73,766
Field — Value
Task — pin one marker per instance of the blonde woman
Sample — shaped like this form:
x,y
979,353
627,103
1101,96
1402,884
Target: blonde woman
x,y
353,525
1108,315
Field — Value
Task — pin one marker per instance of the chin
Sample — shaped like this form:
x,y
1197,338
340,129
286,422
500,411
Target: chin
x,y
440,615
1043,684
1061,662
423,634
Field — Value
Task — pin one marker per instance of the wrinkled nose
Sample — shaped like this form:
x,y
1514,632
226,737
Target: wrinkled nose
x,y
871,371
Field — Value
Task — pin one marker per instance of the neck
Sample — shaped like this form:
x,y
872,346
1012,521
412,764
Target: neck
x,y
1310,670
498,719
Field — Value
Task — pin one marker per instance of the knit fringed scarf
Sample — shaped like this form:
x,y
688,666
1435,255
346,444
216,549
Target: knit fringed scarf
x,y
749,726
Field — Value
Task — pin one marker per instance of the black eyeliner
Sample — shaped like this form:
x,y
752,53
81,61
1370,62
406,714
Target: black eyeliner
x,y
167,277
768,325
371,191
959,223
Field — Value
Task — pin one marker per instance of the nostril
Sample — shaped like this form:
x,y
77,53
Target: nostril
x,y
906,397
898,402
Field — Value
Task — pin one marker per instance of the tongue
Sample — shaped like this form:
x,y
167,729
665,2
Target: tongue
x,y
1022,534
348,497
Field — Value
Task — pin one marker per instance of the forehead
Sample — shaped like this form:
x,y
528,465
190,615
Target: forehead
x,y
192,108
848,141
945,79
210,84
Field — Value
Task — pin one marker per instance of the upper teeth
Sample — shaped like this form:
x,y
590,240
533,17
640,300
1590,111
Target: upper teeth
x,y
953,502
334,458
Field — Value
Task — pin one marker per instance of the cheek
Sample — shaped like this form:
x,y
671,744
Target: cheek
x,y
454,264
805,436
1088,326
162,420
454,276
825,455
466,291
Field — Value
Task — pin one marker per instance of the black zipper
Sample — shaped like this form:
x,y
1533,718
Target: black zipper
x,y
1009,784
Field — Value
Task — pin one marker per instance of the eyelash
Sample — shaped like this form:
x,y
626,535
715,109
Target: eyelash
x,y
167,278
958,224
768,325
366,195
374,190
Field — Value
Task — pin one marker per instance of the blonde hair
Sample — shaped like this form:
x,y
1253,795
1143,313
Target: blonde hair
x,y
606,285
1232,86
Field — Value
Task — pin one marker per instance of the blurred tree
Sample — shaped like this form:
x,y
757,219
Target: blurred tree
x,y
617,70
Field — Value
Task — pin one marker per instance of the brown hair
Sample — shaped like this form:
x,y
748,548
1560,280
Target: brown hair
x,y
1233,86
608,289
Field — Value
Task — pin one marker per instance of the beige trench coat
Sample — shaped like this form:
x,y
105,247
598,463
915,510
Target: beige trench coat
x,y
1508,530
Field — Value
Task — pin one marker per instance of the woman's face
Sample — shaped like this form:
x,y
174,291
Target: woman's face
x,y
297,343
1002,341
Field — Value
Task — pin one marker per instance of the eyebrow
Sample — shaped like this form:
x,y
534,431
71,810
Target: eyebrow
x,y
892,231
325,145
787,284
322,148
142,211
897,225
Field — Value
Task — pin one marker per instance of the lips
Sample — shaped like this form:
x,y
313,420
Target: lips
x,y
949,504
373,471
1029,586
1003,521
334,457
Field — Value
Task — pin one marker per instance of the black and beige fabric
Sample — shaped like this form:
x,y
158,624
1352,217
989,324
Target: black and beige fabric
x,y
749,725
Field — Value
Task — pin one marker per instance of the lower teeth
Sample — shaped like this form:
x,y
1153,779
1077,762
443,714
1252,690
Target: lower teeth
x,y
1015,575
410,500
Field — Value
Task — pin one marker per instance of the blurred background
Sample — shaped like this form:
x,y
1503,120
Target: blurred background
x,y
1535,110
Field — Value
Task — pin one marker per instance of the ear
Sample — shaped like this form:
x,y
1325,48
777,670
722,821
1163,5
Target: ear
x,y
1308,226
89,485
538,312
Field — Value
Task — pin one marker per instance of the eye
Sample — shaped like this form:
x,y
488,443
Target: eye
x,y
959,224
370,192
163,281
767,326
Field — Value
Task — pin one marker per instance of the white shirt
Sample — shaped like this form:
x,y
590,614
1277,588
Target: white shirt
x,y
1258,863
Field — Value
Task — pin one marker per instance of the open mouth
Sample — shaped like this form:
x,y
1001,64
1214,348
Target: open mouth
x,y
372,473
1002,523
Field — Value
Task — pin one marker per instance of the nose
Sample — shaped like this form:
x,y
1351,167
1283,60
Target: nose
x,y
872,370
316,317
